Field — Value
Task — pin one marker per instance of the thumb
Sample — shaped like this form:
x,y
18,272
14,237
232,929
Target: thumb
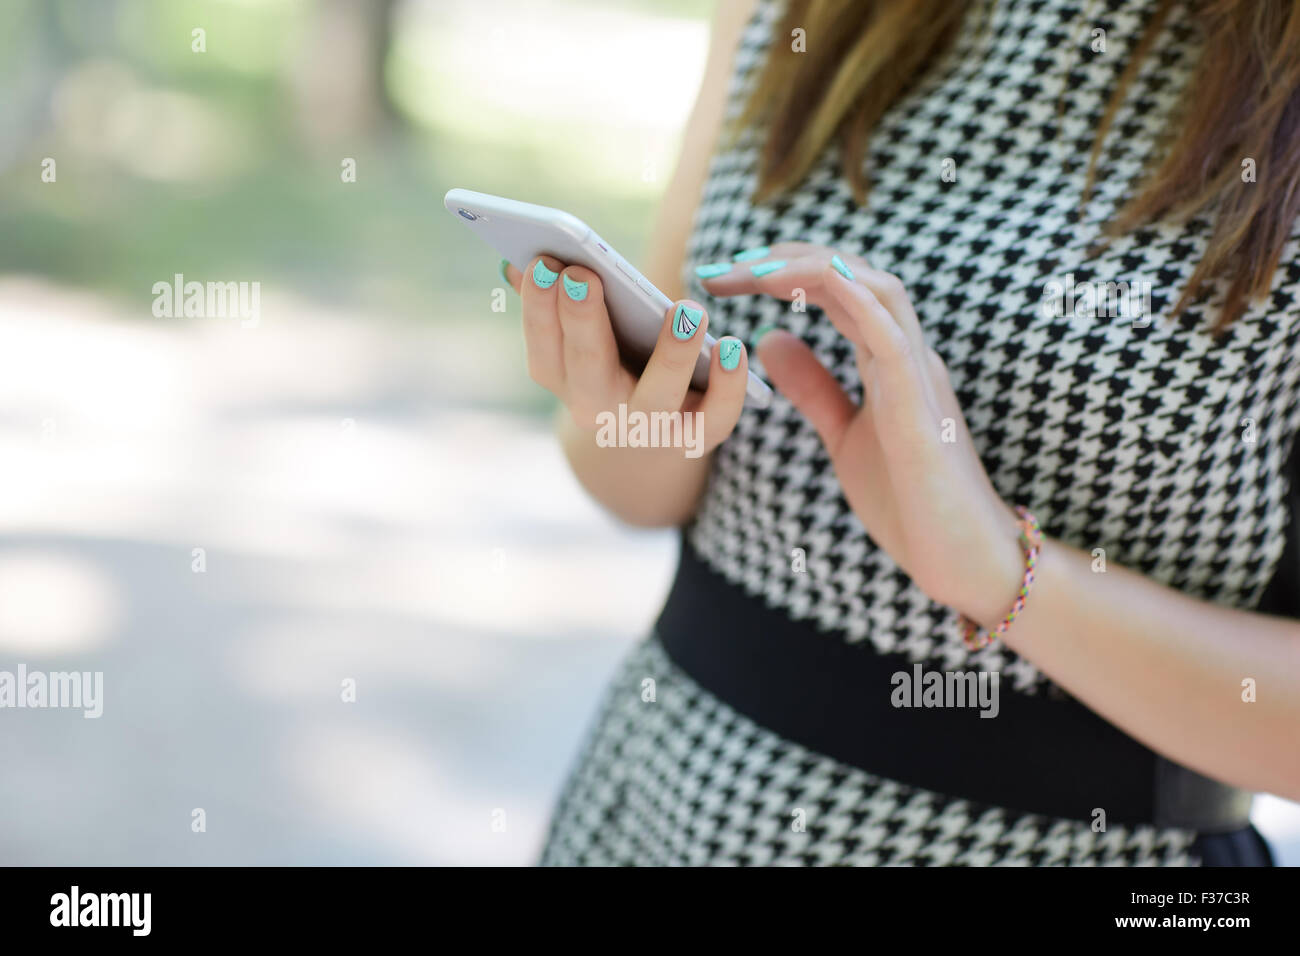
x,y
797,374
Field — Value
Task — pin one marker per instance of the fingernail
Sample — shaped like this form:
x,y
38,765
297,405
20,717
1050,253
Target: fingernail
x,y
543,276
713,270
729,350
766,268
758,334
749,254
502,269
685,321
841,268
577,291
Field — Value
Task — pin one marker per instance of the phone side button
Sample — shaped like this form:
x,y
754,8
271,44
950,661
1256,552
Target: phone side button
x,y
625,267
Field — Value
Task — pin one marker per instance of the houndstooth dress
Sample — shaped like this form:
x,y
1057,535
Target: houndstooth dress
x,y
1122,436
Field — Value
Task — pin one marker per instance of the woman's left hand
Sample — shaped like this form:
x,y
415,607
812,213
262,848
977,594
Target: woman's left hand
x,y
904,459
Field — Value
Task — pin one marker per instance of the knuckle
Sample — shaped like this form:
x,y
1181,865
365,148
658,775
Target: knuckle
x,y
903,346
674,360
586,354
892,285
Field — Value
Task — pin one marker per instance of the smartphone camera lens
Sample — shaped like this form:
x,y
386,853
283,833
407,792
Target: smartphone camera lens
x,y
466,214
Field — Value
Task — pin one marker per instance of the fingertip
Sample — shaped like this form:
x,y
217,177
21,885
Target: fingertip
x,y
685,318
838,281
731,354
582,274
580,285
544,271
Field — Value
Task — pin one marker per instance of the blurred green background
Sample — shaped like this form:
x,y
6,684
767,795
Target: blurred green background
x,y
227,163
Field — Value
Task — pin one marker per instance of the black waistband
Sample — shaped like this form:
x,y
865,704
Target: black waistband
x,y
1040,754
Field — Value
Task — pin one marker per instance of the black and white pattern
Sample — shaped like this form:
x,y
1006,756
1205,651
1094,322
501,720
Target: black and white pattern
x,y
1119,437
684,780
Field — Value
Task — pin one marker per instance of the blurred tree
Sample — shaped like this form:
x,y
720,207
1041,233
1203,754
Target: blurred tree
x,y
338,78
33,55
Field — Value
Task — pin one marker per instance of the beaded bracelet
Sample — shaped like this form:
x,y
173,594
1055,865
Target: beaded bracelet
x,y
1031,540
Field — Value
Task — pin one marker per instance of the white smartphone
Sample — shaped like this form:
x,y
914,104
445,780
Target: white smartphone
x,y
521,231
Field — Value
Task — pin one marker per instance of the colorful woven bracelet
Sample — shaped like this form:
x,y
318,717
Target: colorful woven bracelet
x,y
1031,540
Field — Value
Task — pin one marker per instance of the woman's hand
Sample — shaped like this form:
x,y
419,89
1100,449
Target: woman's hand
x,y
904,459
572,353
1162,666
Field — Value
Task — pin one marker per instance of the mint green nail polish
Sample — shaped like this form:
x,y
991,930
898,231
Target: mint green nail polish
x,y
502,269
759,332
729,350
841,268
543,276
767,268
749,254
713,270
685,321
577,291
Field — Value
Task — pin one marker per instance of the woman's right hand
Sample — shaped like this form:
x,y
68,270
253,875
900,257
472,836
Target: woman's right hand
x,y
572,353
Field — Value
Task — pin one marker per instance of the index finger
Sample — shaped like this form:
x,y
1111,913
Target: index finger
x,y
787,279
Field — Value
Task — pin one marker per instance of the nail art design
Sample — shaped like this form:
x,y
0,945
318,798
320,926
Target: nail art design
x,y
758,334
841,268
767,268
729,350
685,321
502,269
750,254
713,270
577,291
543,276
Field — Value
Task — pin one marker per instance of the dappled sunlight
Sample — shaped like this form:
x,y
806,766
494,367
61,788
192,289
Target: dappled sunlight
x,y
610,116
54,603
104,110
386,789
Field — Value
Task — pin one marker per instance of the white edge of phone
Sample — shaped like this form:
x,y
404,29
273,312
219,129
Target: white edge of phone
x,y
521,231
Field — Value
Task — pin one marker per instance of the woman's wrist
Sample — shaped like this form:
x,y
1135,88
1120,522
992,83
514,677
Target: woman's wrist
x,y
645,487
999,571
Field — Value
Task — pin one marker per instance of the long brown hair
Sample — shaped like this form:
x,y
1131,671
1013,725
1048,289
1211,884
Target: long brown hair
x,y
1246,92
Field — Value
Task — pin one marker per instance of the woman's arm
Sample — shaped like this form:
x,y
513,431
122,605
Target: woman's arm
x,y
1168,669
660,487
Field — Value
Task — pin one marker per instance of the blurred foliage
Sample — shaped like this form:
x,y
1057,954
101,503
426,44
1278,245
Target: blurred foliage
x,y
226,164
